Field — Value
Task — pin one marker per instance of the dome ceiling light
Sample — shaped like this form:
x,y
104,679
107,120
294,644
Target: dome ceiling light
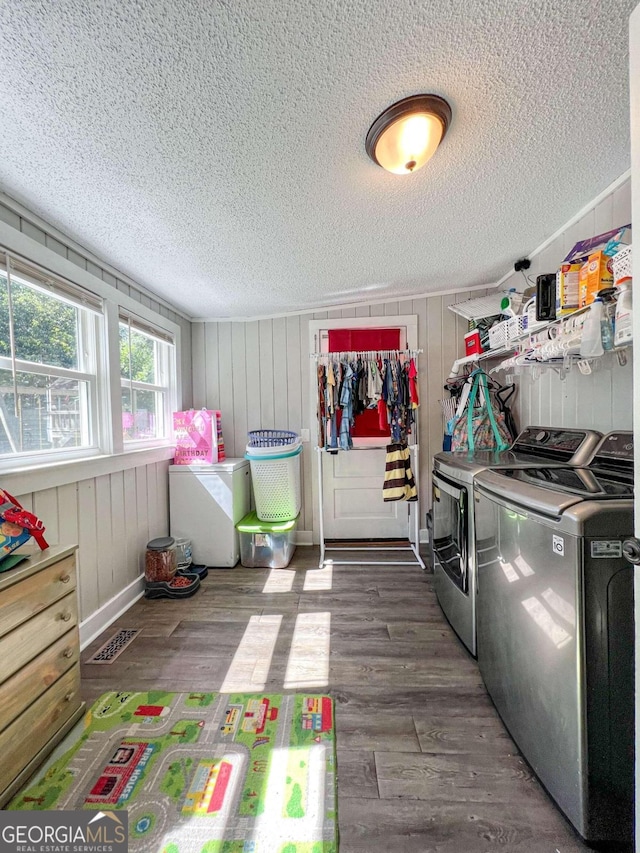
x,y
407,134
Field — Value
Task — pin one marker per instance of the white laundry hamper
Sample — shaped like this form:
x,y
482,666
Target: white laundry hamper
x,y
275,475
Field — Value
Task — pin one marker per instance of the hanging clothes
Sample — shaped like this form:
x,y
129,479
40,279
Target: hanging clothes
x,y
374,384
355,382
331,437
399,483
346,404
322,403
383,416
413,385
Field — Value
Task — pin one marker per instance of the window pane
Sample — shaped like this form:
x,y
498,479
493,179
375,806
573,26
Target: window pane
x,y
51,413
45,329
139,362
5,345
124,351
142,415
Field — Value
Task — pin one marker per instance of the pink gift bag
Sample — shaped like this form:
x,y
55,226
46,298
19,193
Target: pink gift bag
x,y
198,435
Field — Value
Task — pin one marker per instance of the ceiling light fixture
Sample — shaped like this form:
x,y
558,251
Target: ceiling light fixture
x,y
406,135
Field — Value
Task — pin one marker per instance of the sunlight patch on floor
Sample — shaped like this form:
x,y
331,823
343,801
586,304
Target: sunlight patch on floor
x,y
193,832
249,668
279,580
277,825
318,579
308,664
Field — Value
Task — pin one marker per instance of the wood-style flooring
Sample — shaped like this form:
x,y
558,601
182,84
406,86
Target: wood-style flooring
x,y
424,763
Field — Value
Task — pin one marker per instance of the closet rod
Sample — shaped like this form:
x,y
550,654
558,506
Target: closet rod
x,y
363,447
368,353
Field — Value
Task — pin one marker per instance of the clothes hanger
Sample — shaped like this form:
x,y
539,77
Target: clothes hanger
x,y
492,384
505,397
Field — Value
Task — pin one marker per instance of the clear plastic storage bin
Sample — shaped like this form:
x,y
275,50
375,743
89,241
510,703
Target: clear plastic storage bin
x,y
266,544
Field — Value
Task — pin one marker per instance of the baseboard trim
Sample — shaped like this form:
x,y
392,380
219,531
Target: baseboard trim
x,y
304,537
95,624
424,535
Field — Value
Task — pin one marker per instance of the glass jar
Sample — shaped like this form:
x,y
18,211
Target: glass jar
x,y
160,559
183,548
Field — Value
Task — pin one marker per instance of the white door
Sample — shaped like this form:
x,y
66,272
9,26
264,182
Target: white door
x,y
634,45
352,480
353,504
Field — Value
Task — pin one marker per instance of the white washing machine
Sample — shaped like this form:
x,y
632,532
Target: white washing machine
x,y
205,504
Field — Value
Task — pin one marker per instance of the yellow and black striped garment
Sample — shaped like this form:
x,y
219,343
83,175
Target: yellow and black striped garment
x,y
399,484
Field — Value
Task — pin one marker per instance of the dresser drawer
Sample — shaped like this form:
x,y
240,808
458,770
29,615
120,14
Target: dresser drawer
x,y
27,735
23,688
23,600
29,639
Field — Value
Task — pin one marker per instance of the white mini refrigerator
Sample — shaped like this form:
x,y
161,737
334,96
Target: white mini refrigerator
x,y
205,504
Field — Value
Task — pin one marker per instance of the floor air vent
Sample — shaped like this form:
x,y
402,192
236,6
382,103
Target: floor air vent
x,y
114,646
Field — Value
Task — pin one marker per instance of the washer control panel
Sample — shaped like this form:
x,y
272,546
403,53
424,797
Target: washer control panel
x,y
550,441
616,446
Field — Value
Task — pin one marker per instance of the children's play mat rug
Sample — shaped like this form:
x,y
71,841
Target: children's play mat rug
x,y
216,773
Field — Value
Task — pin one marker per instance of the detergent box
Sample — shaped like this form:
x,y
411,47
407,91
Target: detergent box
x,y
599,274
596,253
583,279
567,288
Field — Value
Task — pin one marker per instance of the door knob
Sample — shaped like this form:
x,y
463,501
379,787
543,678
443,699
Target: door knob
x,y
631,550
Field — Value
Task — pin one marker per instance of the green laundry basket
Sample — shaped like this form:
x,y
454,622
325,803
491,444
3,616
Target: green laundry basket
x,y
266,544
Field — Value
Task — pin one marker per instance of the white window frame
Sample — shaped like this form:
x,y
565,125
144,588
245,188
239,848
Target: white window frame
x,y
90,341
22,475
166,366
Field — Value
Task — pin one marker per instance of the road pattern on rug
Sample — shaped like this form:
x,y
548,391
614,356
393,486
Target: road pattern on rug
x,y
215,773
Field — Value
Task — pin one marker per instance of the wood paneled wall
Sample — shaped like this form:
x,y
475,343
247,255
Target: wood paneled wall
x,y
602,400
112,518
257,374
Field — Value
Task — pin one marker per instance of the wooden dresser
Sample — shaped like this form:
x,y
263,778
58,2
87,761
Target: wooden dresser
x,y
39,662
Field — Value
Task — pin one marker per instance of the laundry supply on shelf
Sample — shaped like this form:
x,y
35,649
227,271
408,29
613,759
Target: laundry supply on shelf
x,y
591,343
624,316
568,288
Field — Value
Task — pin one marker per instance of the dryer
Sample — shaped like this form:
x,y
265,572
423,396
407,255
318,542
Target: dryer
x,y
455,526
556,629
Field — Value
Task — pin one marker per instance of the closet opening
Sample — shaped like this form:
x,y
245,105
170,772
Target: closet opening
x,y
349,482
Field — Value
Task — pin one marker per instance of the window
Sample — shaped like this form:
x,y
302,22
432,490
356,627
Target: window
x,y
49,333
147,358
74,384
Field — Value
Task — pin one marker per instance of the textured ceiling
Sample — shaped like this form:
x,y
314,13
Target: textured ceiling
x,y
214,149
